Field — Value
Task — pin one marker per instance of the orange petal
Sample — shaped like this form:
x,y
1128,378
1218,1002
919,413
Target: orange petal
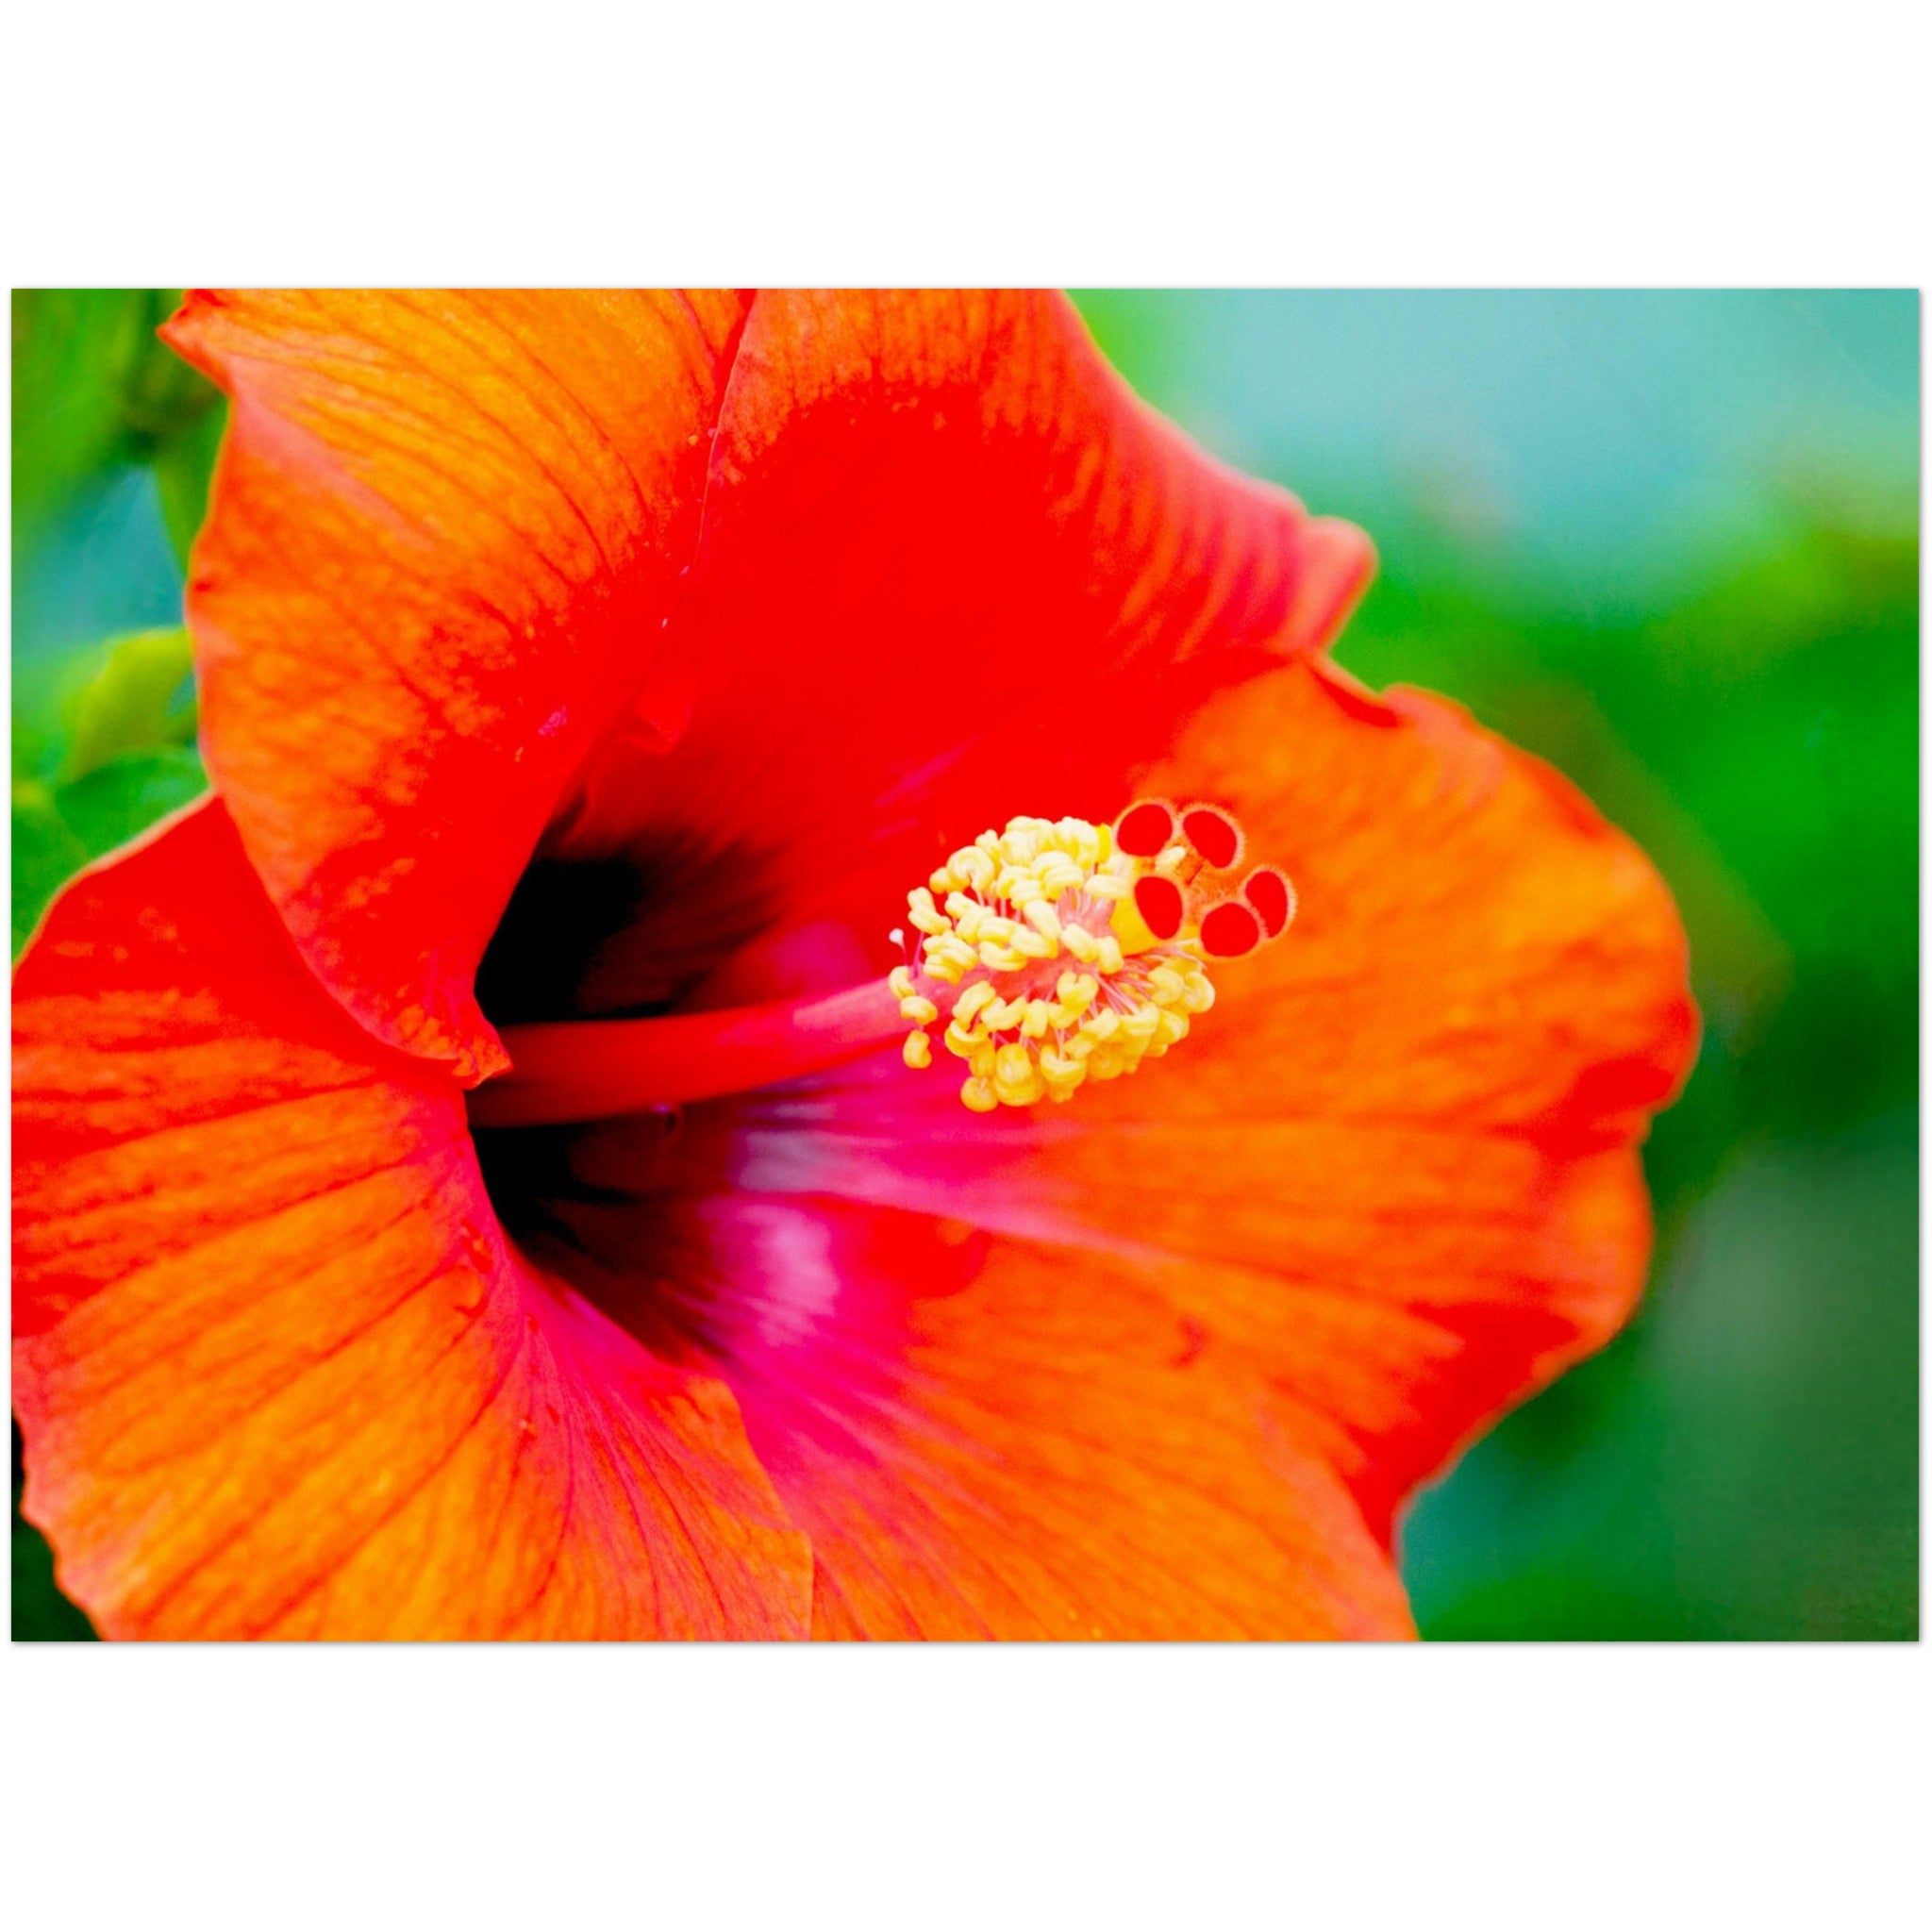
x,y
1397,1287
441,552
278,1372
1392,1171
981,1446
1473,947
951,569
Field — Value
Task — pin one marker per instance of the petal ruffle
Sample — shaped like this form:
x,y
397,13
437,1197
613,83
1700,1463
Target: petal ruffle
x,y
278,1371
951,569
442,548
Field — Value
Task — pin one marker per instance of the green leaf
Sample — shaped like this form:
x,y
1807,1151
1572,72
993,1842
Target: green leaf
x,y
94,386
142,698
74,351
40,1613
46,853
184,468
40,726
59,829
109,806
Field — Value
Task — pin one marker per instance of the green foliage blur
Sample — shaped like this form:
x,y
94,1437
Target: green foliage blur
x,y
1669,541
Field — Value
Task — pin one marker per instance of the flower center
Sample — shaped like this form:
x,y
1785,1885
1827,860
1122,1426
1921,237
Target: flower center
x,y
1051,953
1058,952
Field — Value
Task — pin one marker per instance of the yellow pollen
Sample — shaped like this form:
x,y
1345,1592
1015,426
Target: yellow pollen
x,y
1031,951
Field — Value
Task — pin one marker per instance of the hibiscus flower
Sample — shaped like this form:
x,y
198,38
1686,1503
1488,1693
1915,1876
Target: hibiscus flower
x,y
499,1166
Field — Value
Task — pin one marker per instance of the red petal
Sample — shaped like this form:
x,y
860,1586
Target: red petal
x,y
444,540
951,571
278,1372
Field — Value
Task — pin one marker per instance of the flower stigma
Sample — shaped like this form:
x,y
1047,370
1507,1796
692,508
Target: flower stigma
x,y
1058,952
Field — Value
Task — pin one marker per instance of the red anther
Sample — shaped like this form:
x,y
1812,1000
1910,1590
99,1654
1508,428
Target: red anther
x,y
1159,903
1213,833
1144,830
1229,929
1269,892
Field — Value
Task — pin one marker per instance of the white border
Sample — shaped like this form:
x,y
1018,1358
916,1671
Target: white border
x,y
1207,143
1677,142
974,1787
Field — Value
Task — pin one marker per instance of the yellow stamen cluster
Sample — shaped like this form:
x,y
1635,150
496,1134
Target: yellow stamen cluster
x,y
1043,971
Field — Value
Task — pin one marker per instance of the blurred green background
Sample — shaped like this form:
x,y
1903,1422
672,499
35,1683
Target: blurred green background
x,y
1668,541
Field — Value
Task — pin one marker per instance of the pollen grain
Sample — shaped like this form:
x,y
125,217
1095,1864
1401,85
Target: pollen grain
x,y
1031,954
